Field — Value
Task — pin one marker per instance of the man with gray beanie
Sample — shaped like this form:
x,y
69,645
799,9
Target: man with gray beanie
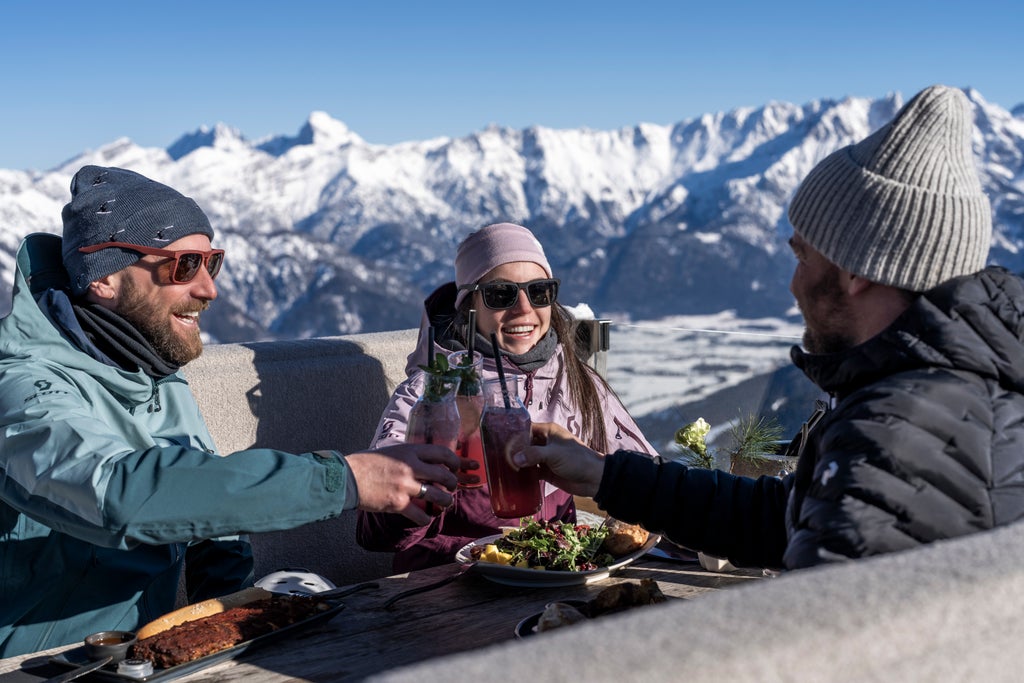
x,y
919,345
109,480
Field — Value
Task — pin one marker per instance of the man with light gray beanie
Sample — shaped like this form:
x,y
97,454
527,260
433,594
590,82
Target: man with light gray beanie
x,y
920,346
110,483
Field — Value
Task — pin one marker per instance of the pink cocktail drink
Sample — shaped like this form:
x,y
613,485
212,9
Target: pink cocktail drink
x,y
470,400
434,419
504,431
436,423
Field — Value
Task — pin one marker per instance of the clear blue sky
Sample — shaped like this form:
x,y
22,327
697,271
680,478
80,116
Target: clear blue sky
x,y
78,75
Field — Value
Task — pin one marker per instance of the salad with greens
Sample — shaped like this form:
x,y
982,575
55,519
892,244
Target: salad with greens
x,y
558,546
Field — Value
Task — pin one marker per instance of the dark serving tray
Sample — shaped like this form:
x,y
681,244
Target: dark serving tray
x,y
76,657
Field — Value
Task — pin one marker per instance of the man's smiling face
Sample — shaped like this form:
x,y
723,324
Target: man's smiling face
x,y
165,312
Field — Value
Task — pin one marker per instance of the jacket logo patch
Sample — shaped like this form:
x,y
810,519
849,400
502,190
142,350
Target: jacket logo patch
x,y
43,386
574,426
833,468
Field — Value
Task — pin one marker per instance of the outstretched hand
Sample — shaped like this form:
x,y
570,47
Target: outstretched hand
x,y
389,479
564,460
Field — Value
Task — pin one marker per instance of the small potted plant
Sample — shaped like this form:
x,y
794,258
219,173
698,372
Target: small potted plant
x,y
755,452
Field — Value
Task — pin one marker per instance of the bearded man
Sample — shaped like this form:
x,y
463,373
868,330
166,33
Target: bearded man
x,y
920,346
109,478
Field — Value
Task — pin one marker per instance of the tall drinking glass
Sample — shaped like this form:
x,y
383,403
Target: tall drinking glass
x,y
470,400
505,429
434,417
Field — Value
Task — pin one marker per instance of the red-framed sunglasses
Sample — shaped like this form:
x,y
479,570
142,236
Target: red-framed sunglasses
x,y
187,262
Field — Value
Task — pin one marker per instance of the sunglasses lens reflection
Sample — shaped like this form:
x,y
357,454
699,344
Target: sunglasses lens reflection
x,y
214,264
188,265
542,293
500,295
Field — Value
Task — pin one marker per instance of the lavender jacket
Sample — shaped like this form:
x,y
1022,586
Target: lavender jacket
x,y
470,516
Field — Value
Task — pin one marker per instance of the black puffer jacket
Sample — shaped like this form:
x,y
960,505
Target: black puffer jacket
x,y
926,441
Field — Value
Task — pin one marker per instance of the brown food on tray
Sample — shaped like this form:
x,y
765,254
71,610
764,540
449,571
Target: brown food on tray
x,y
198,610
623,538
204,636
625,595
614,598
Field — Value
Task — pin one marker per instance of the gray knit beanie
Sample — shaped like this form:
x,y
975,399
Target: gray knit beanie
x,y
116,205
903,207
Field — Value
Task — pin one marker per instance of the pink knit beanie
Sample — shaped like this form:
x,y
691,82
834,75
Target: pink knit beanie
x,y
491,246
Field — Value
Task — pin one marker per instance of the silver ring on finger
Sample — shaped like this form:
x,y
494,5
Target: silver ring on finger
x,y
423,491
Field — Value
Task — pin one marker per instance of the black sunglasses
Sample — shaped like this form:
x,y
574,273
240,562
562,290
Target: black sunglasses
x,y
501,294
187,262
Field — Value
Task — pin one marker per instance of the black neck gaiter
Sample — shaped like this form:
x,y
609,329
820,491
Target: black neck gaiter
x,y
120,341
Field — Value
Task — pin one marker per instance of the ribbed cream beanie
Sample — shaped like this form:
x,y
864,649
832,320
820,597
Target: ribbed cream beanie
x,y
903,207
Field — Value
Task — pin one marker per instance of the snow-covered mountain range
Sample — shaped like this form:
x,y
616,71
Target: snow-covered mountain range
x,y
327,234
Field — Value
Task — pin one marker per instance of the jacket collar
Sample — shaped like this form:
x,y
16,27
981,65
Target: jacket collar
x,y
29,331
973,323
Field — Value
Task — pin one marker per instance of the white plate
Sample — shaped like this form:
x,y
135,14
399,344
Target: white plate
x,y
544,578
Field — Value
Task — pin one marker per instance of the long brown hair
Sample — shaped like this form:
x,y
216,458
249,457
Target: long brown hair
x,y
582,380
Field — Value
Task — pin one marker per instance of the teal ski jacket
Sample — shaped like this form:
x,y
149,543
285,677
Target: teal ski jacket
x,y
109,481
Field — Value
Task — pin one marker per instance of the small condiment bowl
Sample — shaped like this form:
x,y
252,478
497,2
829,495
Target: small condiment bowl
x,y
114,644
135,668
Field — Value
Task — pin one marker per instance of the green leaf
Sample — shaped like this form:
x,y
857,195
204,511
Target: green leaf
x,y
754,436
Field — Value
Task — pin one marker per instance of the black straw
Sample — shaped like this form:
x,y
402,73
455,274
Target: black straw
x,y
471,334
430,347
501,371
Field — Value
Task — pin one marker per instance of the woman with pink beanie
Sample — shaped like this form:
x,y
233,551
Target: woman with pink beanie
x,y
501,272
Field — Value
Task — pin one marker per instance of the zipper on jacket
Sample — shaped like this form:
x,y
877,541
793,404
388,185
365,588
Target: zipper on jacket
x,y
154,406
804,469
621,429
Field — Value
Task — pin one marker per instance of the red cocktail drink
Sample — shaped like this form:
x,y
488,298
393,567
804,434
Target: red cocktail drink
x,y
504,430
471,447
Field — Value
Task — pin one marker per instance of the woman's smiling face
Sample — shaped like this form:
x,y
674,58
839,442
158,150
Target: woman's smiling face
x,y
518,328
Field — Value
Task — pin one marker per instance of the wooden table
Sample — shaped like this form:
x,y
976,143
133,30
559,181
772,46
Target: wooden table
x,y
364,639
